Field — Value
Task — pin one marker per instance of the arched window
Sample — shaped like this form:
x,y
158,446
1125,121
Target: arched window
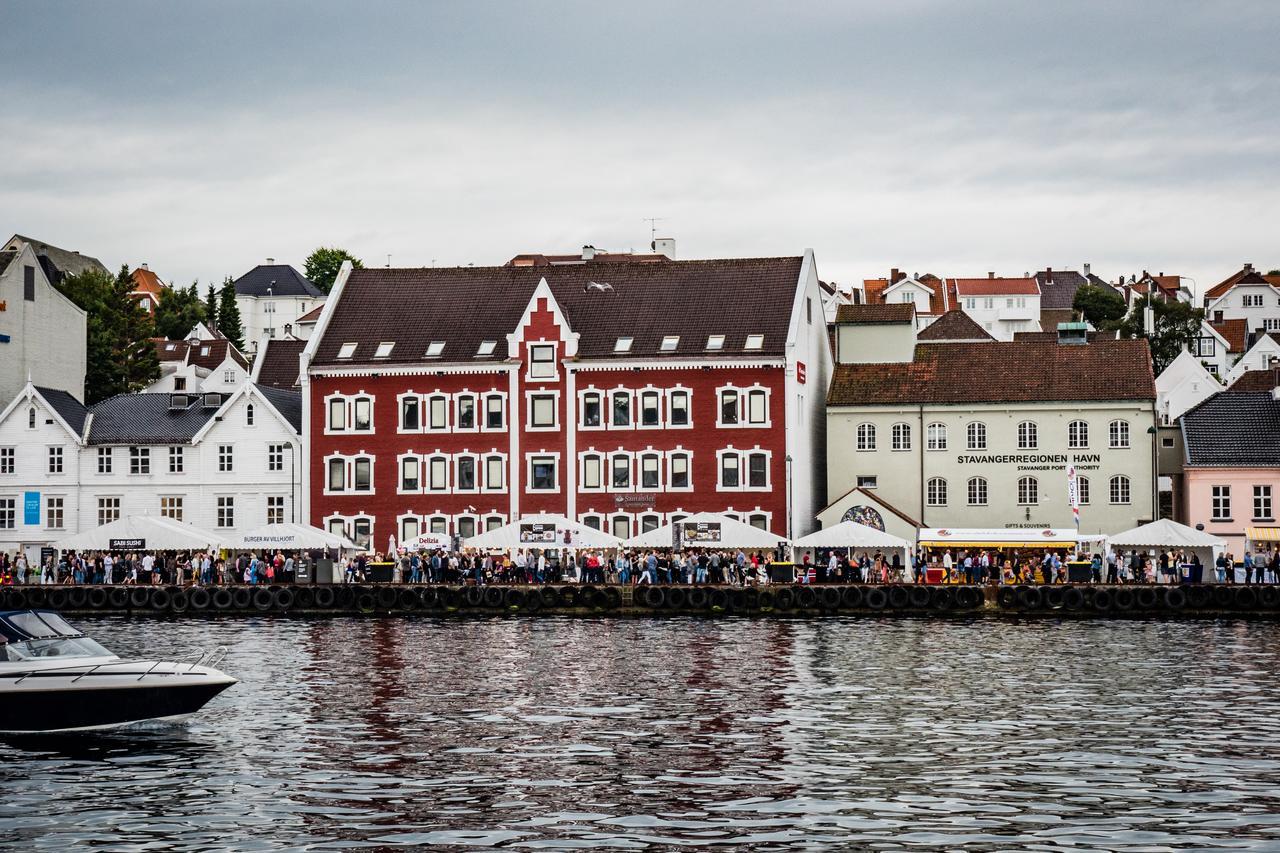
x,y
1120,489
936,492
866,436
1078,434
1082,490
248,414
977,491
1028,436
31,418
901,437
937,437
977,433
1028,491
1119,435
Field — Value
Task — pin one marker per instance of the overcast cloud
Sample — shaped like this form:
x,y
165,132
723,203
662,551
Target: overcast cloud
x,y
951,137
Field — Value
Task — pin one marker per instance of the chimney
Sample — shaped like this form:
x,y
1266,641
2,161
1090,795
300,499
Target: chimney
x,y
588,252
270,261
1087,270
1048,275
991,274
144,266
1248,267
664,246
893,276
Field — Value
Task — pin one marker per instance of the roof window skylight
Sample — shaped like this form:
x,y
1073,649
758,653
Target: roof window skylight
x,y
384,349
715,342
434,349
754,342
487,347
670,342
347,350
622,345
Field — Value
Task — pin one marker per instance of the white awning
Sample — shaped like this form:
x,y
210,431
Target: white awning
x,y
850,534
542,531
428,542
1165,534
997,537
707,530
144,533
290,537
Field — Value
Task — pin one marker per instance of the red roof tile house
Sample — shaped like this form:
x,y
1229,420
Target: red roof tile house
x,y
1001,306
624,395
147,288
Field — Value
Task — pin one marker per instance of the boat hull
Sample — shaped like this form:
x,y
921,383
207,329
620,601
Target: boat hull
x,y
82,707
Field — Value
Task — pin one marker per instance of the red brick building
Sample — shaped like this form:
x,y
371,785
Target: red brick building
x,y
625,394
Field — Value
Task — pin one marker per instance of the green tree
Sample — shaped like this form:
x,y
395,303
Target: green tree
x,y
179,310
1177,324
1102,307
229,315
120,355
323,264
211,307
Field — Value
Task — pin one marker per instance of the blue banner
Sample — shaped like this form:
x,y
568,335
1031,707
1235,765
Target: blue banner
x,y
31,509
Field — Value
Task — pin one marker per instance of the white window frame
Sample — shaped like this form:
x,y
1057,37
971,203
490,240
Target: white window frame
x,y
582,408
900,437
429,404
541,346
631,407
670,398
51,511
746,469
669,479
529,396
977,484
936,436
458,399
865,437
224,504
177,459
482,475
457,472
9,461
226,459
1078,434
586,456
648,453
638,415
466,516
401,399
975,435
630,457
721,423
140,460
1028,435
56,460
1083,491
1118,435
1220,503
106,460
936,491
1262,501
529,458
282,506
1120,490
643,519
431,462
594,520
1033,498
402,529
745,418
484,411
615,518
411,457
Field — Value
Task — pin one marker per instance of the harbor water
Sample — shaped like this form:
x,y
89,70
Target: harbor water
x,y
631,734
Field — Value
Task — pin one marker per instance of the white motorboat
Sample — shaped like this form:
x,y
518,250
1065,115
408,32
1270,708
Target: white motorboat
x,y
53,678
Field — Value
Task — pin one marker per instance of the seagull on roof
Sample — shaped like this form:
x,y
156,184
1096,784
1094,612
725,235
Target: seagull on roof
x,y
598,285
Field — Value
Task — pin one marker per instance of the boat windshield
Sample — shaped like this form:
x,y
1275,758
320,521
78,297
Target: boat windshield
x,y
62,647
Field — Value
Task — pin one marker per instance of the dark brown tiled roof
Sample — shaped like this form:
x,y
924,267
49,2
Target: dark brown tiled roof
x,y
464,306
1254,380
533,259
210,354
954,326
998,372
1058,287
888,312
279,367
1235,332
167,350
1051,317
312,315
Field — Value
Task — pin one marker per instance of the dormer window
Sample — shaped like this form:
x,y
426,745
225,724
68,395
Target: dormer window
x,y
670,342
384,349
715,342
347,350
204,351
622,345
435,349
487,347
170,347
754,342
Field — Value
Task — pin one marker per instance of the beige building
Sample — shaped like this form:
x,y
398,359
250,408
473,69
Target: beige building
x,y
968,433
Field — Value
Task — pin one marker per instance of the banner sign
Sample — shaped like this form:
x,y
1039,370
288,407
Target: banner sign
x,y
1073,493
538,534
138,544
31,508
698,532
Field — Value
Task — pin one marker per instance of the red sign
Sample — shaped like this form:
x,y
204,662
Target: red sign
x,y
800,372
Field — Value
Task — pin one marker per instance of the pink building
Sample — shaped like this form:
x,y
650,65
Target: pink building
x,y
1232,468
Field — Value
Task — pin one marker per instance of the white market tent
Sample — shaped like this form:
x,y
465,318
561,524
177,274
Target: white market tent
x,y
852,536
428,542
707,529
543,531
290,537
1170,535
143,533
998,537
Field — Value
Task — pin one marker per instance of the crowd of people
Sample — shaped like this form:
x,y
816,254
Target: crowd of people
x,y
736,567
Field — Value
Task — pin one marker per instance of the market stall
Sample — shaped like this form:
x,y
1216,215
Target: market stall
x,y
706,530
144,533
1166,535
291,537
428,542
541,532
857,540
1011,543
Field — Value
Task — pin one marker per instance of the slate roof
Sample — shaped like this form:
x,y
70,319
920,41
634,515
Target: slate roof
x,y
68,407
1058,287
1233,430
995,286
464,306
287,403
1254,380
997,372
278,367
275,280
146,419
59,263
6,258
887,313
955,325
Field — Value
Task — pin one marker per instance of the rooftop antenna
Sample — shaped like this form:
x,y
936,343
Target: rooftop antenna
x,y
653,230
388,260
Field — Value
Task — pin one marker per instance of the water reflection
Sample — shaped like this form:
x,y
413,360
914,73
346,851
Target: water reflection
x,y
563,733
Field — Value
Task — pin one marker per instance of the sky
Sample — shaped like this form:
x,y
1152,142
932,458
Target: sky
x,y
954,138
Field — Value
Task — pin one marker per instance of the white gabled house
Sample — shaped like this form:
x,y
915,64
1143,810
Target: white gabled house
x,y
1185,383
199,365
226,462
